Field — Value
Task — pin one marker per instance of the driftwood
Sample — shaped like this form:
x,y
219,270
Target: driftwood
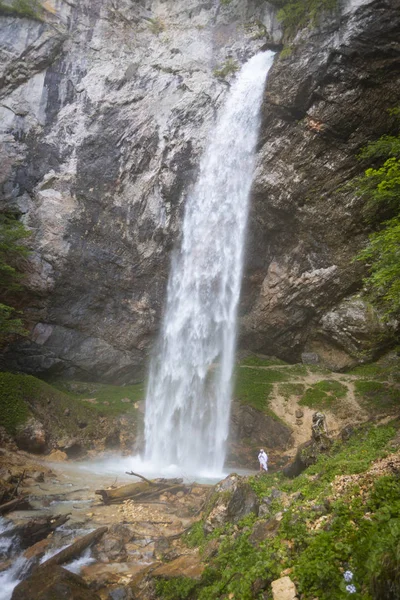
x,y
141,491
36,529
20,503
75,549
140,476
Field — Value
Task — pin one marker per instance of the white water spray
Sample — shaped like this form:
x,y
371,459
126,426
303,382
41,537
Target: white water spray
x,y
189,392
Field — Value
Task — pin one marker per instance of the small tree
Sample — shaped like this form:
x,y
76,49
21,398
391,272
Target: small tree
x,y
12,232
380,186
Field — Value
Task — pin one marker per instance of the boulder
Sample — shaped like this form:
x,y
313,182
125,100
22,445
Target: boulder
x,y
57,456
188,565
53,583
264,529
234,499
32,437
283,589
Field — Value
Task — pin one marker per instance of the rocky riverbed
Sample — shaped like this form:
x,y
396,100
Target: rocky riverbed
x,y
138,534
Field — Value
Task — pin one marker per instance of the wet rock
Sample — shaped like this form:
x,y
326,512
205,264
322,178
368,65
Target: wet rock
x,y
112,546
310,358
306,455
57,456
263,530
184,566
234,499
51,583
72,447
249,423
121,593
283,589
211,549
38,550
345,334
32,437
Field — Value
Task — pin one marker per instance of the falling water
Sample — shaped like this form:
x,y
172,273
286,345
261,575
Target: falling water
x,y
188,397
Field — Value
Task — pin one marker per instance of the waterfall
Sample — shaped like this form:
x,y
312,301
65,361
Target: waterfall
x,y
189,391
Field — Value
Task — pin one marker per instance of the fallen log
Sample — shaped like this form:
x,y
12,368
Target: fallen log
x,y
122,493
75,549
36,529
20,503
140,476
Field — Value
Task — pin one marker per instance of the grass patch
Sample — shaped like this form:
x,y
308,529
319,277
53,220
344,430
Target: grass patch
x,y
25,395
254,386
109,398
324,394
13,407
386,371
296,371
377,395
257,361
290,389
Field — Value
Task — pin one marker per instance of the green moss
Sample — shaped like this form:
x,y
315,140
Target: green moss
x,y
13,407
286,52
324,394
296,14
156,25
30,9
229,67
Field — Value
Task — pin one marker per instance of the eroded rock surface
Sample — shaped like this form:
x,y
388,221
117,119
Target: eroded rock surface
x,y
105,112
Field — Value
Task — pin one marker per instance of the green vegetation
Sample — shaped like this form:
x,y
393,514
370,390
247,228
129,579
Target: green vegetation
x,y
380,188
175,589
13,406
24,395
387,370
286,52
257,361
324,394
329,525
378,396
30,9
156,25
296,14
229,67
254,386
106,399
290,389
12,251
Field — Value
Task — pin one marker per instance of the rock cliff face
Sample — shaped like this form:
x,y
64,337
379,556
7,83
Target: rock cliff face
x,y
105,109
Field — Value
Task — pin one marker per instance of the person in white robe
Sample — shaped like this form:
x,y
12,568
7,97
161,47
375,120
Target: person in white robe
x,y
263,460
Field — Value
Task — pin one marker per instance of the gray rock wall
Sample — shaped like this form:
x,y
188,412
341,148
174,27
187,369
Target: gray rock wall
x,y
105,109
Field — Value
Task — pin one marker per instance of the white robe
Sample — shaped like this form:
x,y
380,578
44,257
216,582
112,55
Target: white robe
x,y
263,459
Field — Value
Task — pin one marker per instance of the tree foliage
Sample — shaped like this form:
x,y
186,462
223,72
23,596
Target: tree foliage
x,y
380,187
296,14
12,250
